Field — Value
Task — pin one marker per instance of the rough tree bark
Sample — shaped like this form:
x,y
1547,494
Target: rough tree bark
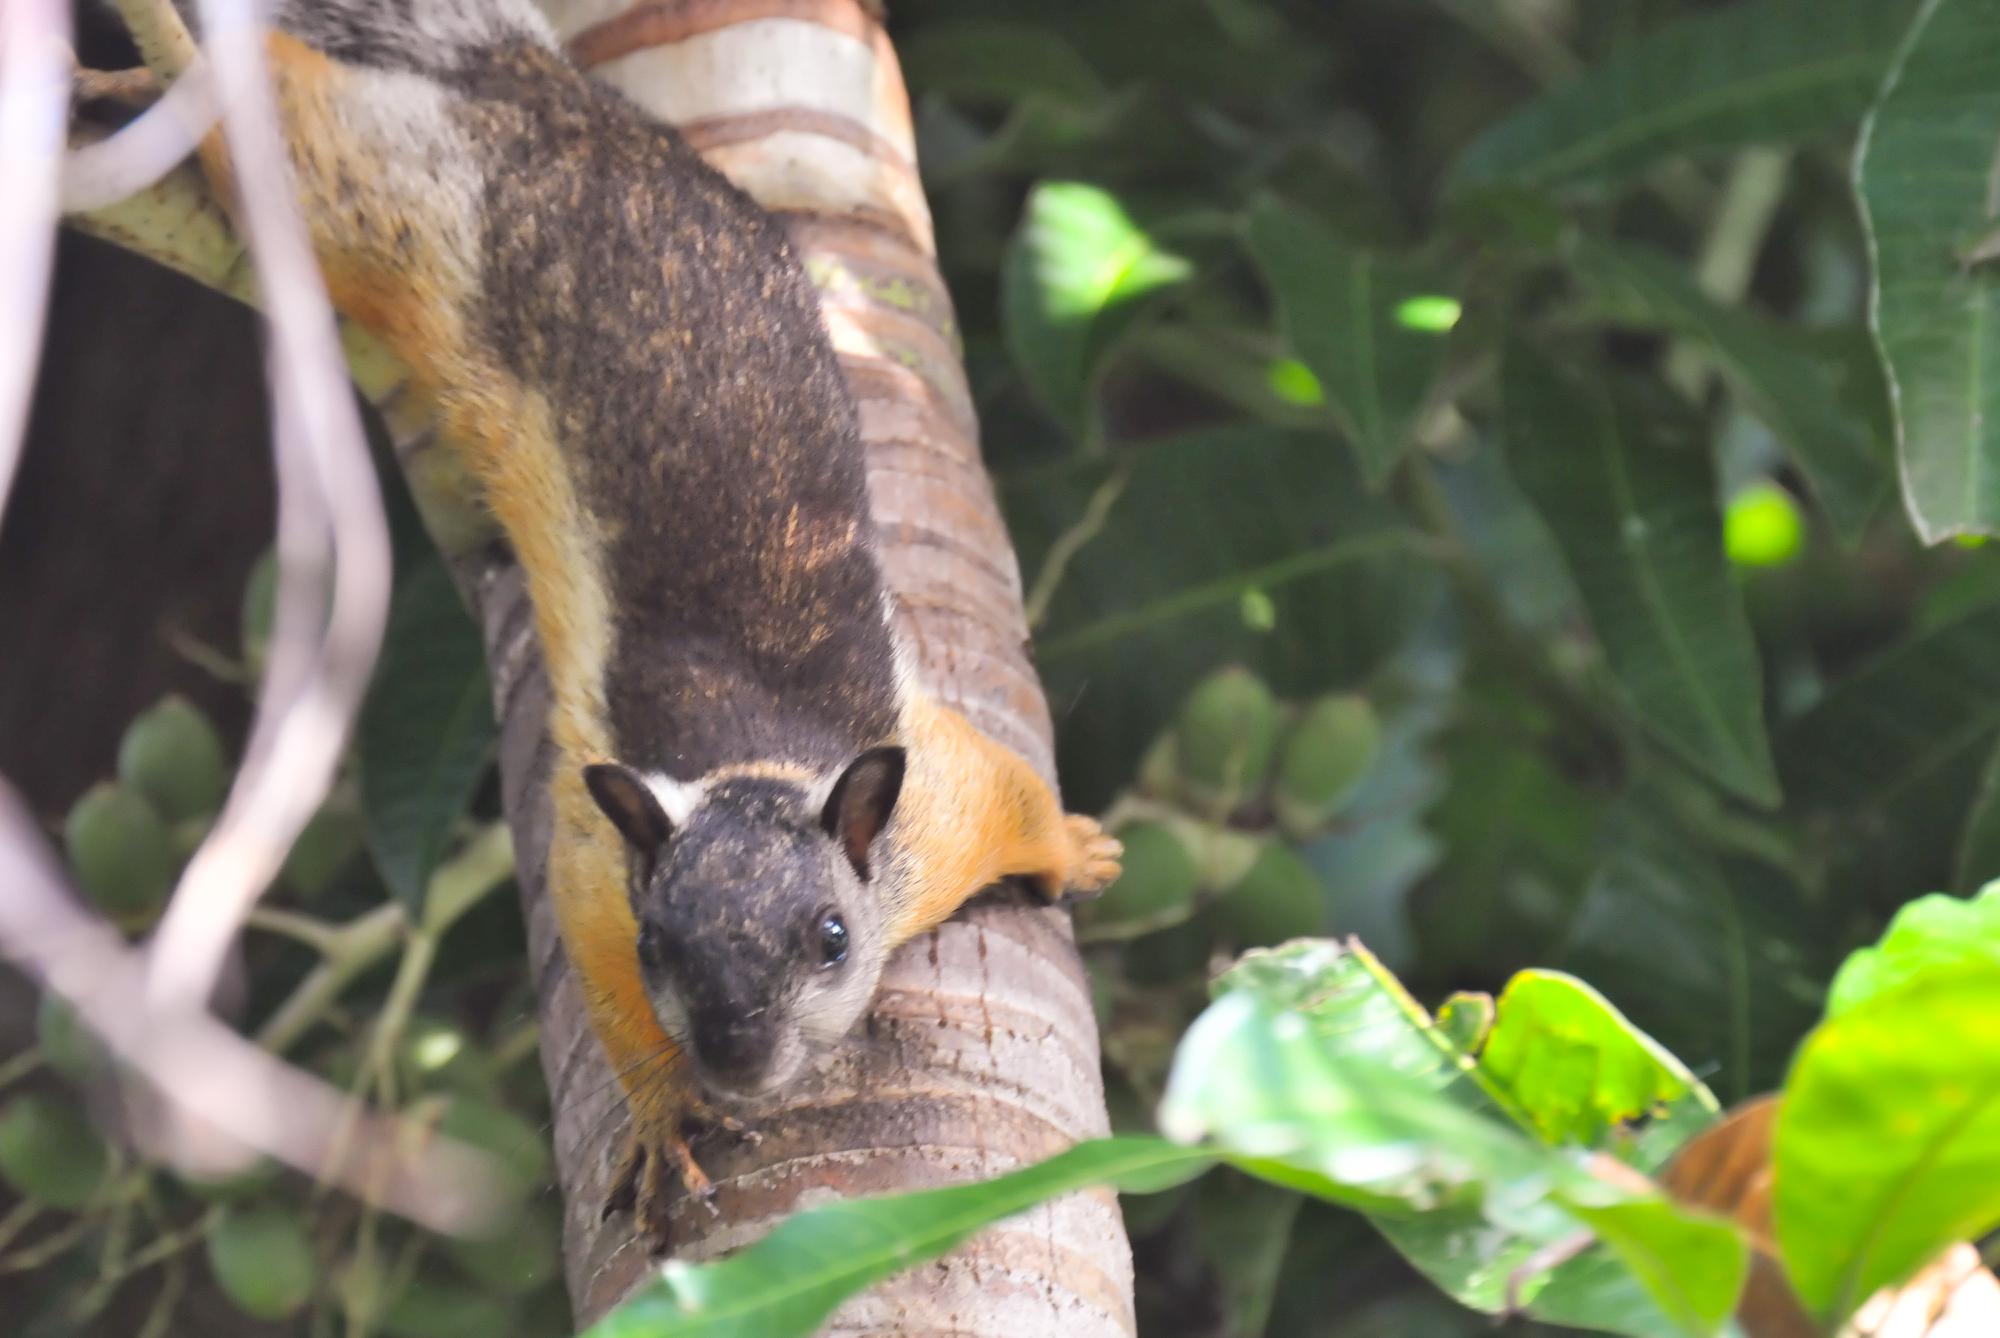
x,y
981,1053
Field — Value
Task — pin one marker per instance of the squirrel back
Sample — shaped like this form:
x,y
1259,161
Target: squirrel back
x,y
675,354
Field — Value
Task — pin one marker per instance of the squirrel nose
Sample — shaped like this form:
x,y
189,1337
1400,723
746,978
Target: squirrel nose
x,y
734,1047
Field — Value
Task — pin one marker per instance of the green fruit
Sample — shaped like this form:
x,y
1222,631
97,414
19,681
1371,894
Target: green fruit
x,y
328,842
1329,751
263,1260
71,1048
50,1152
1155,888
519,1259
260,601
1280,898
1224,737
172,755
122,853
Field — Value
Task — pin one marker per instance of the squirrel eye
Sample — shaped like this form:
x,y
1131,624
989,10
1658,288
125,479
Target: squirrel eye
x,y
832,940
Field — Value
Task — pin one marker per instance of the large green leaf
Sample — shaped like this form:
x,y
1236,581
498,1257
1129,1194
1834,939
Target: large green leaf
x,y
1924,172
1796,393
1887,1146
1929,934
426,732
1578,1070
1344,310
1636,519
1075,276
1317,1040
790,1281
1202,531
1747,73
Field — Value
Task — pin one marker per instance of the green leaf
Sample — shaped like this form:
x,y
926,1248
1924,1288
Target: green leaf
x,y
1579,1070
1347,314
1929,934
1909,715
1637,522
1887,1146
1795,393
1316,1070
1924,174
1073,280
1748,73
791,1280
426,732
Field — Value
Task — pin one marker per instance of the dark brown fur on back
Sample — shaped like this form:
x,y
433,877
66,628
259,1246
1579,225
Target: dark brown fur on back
x,y
691,380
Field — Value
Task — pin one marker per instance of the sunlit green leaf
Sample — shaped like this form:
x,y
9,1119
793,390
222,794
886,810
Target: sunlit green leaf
x,y
1929,934
1887,1146
1075,276
1578,1070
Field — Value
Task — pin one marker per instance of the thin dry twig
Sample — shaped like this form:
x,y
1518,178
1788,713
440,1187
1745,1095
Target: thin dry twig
x,y
330,522
34,110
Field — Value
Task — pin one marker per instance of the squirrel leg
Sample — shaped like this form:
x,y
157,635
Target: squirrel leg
x,y
983,814
587,890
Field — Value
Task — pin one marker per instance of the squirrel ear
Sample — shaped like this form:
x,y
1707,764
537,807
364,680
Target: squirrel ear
x,y
630,803
862,799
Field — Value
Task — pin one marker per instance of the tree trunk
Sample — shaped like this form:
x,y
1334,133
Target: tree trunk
x,y
981,1052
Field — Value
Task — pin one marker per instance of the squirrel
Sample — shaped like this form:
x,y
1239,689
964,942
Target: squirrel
x,y
755,802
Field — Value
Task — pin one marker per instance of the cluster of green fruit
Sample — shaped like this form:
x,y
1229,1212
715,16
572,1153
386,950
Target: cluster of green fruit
x,y
265,1251
1222,801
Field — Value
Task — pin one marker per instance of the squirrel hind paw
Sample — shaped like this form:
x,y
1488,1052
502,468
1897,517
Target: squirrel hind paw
x,y
1093,862
655,1168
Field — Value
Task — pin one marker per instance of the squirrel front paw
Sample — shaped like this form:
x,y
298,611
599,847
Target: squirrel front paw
x,y
1093,858
657,1159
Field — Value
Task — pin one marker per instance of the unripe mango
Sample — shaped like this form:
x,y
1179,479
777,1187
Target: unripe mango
x,y
172,755
1326,756
263,1260
123,854
1280,898
50,1153
1155,888
1224,737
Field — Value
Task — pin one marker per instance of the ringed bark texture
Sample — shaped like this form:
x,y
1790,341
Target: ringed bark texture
x,y
981,1053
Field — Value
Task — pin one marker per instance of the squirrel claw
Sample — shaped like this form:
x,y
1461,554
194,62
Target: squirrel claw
x,y
1094,856
643,1185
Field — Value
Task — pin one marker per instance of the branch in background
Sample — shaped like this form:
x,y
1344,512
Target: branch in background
x,y
211,1081
330,524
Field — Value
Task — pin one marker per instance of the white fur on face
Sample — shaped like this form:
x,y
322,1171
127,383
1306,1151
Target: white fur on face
x,y
678,799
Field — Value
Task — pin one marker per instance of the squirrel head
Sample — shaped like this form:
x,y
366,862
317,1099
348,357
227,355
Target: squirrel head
x,y
761,928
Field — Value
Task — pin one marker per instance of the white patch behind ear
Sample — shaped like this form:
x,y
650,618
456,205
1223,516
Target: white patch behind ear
x,y
678,799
